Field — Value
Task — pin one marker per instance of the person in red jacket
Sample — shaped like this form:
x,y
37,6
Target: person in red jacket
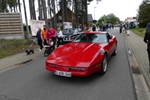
x,y
49,35
53,32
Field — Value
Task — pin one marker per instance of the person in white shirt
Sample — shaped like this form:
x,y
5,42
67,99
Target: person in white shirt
x,y
59,37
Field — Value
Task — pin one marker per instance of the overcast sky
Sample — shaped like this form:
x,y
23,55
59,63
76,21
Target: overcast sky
x,y
120,8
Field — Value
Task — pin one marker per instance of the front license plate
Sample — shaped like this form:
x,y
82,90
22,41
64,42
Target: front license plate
x,y
61,73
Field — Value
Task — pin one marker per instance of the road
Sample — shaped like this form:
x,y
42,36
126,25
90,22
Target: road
x,y
31,81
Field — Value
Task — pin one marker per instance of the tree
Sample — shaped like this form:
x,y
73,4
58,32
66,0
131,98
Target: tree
x,y
3,6
110,18
11,4
143,14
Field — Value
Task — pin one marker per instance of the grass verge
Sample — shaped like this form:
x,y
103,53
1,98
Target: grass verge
x,y
11,47
139,31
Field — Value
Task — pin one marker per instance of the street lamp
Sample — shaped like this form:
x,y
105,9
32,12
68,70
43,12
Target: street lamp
x,y
94,13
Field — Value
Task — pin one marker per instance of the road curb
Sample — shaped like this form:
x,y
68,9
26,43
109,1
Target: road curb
x,y
140,85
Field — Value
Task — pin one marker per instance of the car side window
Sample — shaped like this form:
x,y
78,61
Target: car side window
x,y
100,38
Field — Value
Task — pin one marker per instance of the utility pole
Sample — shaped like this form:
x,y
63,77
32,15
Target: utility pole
x,y
94,13
27,28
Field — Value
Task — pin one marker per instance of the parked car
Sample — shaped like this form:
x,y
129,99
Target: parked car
x,y
70,33
132,25
85,55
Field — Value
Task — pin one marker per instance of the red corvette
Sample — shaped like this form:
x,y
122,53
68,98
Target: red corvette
x,y
88,53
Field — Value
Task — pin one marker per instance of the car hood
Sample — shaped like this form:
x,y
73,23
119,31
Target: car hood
x,y
75,54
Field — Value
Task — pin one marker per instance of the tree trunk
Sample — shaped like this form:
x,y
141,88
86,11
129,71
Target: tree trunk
x,y
50,12
40,7
83,14
54,14
32,9
76,12
26,20
45,12
19,5
86,14
62,12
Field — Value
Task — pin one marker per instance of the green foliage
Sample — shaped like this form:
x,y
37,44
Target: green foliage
x,y
3,6
68,2
144,15
12,3
11,47
139,31
110,18
5,3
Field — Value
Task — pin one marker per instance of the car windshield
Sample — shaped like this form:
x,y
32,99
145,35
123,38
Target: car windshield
x,y
70,31
95,38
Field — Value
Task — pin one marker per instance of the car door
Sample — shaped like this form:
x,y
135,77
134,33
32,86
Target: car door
x,y
111,43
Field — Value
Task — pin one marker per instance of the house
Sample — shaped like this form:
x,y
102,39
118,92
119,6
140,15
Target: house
x,y
71,18
131,19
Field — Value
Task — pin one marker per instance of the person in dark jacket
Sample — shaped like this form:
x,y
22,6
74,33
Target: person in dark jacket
x,y
121,27
93,28
38,36
147,40
147,34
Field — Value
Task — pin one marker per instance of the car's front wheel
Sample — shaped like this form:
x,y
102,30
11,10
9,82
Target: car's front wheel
x,y
104,65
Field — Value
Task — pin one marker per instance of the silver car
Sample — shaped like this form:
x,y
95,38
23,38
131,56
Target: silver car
x,y
70,33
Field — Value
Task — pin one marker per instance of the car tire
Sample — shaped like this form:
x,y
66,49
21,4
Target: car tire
x,y
115,51
104,65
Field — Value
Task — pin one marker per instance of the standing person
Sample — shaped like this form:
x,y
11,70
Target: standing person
x,y
43,34
38,36
59,37
124,28
53,32
101,28
147,40
49,35
128,29
121,27
104,27
49,43
93,28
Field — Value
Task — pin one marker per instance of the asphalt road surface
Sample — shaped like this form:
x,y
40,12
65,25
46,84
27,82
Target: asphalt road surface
x,y
31,81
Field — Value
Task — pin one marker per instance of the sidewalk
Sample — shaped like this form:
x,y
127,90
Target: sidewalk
x,y
139,64
15,60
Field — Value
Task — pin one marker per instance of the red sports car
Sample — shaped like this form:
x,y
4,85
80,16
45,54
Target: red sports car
x,y
88,53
